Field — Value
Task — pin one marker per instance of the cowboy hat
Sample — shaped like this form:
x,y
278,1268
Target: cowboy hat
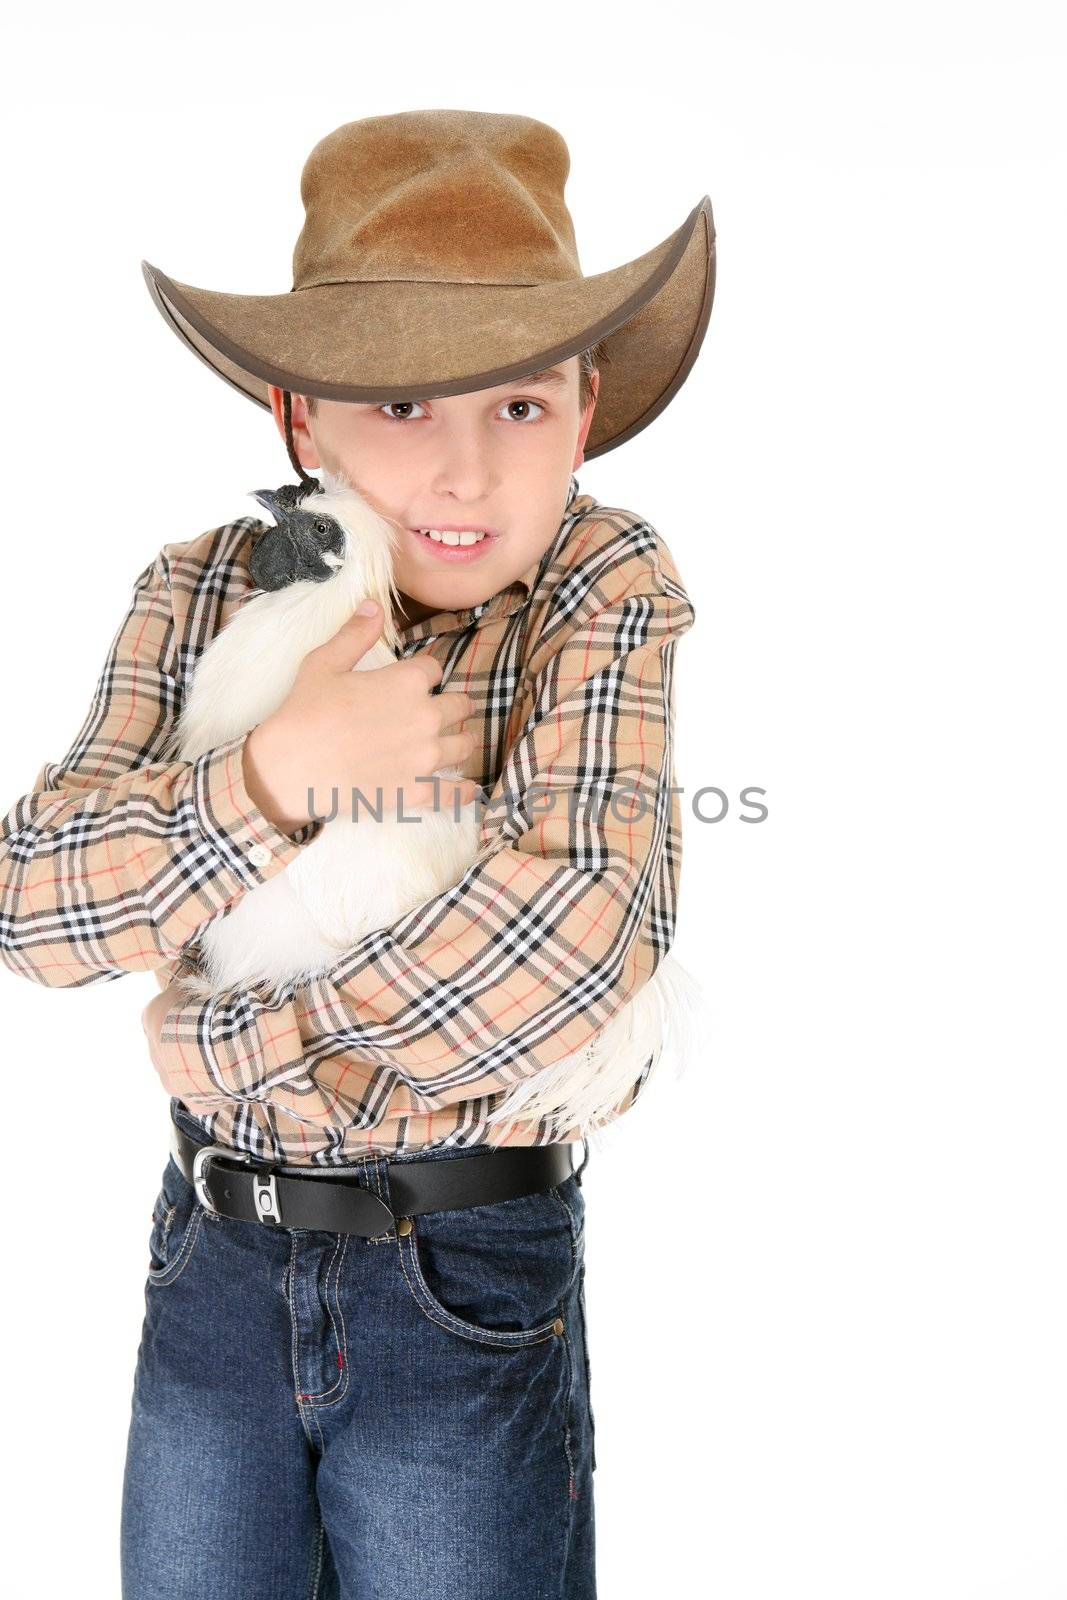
x,y
436,257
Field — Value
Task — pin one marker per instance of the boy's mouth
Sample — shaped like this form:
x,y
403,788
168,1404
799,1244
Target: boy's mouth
x,y
450,544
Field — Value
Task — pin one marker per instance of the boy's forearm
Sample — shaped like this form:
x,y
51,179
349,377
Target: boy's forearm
x,y
122,877
119,856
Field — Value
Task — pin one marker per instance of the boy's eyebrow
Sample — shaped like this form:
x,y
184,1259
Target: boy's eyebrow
x,y
547,375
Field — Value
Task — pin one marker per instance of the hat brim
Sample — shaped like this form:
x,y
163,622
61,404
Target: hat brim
x,y
404,340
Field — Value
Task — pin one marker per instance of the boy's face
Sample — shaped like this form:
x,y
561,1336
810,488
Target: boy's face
x,y
497,458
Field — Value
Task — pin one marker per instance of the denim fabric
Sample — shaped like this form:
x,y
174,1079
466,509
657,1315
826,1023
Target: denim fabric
x,y
318,1416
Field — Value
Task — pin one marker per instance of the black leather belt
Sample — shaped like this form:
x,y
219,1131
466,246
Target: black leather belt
x,y
236,1185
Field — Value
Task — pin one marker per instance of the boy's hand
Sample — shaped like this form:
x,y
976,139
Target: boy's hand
x,y
152,1022
377,731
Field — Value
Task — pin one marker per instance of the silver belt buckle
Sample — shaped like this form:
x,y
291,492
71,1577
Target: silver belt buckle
x,y
206,1154
264,1188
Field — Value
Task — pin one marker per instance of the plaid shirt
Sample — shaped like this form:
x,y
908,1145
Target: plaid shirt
x,y
119,857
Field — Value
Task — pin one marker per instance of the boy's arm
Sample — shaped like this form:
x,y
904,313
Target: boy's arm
x,y
549,932
119,857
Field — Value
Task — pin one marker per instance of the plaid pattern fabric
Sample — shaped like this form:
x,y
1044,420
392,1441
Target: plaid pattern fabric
x,y
118,858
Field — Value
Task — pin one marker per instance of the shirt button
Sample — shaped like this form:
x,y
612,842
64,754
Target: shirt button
x,y
259,855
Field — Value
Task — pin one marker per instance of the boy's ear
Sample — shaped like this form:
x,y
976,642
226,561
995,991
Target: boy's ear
x,y
299,420
274,395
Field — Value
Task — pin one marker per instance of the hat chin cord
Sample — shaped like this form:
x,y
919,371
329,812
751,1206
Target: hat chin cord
x,y
287,412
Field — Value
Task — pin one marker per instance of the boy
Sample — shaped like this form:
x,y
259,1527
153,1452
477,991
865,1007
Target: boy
x,y
312,1414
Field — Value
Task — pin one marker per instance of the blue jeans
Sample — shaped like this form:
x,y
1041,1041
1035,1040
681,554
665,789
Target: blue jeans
x,y
319,1416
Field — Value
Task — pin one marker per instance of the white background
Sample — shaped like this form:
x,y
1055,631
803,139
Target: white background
x,y
826,1268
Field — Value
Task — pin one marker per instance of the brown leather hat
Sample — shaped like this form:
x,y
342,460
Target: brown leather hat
x,y
437,256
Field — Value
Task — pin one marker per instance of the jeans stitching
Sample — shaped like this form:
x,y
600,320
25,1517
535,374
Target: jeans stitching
x,y
431,1308
162,1216
572,1482
573,1224
376,1171
336,1261
588,1373
165,1275
295,1338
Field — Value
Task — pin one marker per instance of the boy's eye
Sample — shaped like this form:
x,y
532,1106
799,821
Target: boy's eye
x,y
385,409
526,403
401,403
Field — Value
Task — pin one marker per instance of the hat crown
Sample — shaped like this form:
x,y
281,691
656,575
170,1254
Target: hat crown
x,y
437,196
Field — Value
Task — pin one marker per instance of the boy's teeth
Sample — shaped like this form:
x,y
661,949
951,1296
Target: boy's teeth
x,y
452,538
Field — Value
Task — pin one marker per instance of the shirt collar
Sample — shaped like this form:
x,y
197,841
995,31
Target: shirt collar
x,y
511,598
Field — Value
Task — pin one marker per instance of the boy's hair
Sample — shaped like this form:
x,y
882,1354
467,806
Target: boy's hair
x,y
588,362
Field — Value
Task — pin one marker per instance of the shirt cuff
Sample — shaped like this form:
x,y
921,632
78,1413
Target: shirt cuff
x,y
250,847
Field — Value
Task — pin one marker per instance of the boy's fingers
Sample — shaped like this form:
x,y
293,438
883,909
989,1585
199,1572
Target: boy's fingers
x,y
456,706
428,665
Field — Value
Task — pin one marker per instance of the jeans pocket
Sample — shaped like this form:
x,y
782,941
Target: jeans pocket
x,y
495,1274
176,1220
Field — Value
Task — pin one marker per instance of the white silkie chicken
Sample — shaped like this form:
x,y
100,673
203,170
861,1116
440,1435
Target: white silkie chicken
x,y
329,551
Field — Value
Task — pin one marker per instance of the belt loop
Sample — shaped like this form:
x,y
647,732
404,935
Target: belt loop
x,y
376,1173
577,1173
